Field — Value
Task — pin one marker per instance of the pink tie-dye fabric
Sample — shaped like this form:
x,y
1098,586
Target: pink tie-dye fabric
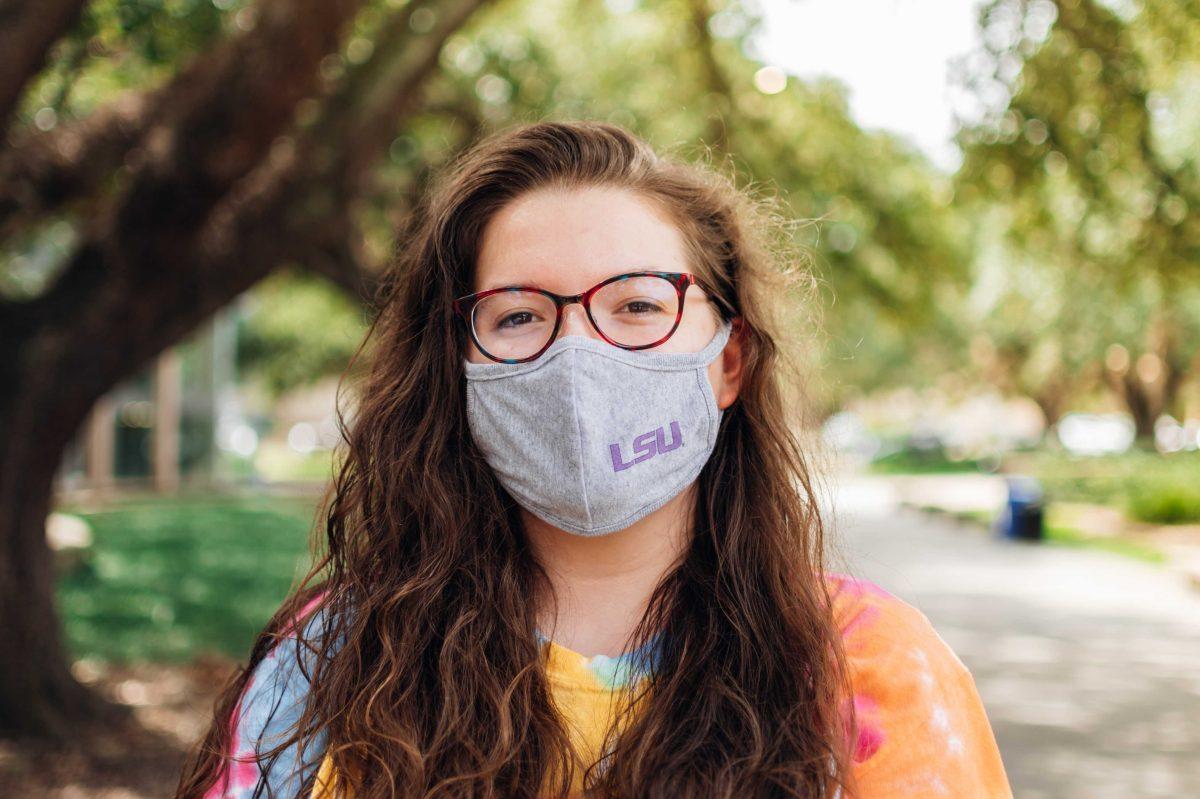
x,y
923,730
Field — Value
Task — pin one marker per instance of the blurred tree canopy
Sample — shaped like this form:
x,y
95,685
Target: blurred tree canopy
x,y
1088,146
299,329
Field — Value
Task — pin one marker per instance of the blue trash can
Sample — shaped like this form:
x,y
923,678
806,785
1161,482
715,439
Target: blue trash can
x,y
1022,516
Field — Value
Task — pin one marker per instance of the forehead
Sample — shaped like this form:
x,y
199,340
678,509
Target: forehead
x,y
566,240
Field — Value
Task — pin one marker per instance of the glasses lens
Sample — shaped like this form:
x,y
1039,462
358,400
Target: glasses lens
x,y
513,323
637,310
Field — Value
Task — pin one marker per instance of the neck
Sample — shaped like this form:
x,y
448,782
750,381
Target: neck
x,y
603,584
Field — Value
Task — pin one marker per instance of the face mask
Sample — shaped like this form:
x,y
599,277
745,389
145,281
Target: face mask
x,y
590,437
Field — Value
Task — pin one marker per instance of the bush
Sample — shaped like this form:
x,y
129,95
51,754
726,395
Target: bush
x,y
911,460
1163,502
1149,487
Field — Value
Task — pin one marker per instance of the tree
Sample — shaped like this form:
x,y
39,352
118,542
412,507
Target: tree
x,y
219,185
1087,144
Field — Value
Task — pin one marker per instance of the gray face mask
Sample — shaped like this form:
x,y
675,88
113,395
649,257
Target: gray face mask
x,y
590,437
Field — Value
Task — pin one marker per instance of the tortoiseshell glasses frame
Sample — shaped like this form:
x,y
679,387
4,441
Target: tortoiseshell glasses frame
x,y
464,308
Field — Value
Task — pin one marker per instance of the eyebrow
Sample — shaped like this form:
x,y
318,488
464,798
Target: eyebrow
x,y
650,268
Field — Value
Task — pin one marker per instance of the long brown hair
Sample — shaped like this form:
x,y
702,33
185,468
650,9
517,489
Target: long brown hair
x,y
437,689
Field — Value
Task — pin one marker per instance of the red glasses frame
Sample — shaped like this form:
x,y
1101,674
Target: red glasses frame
x,y
464,308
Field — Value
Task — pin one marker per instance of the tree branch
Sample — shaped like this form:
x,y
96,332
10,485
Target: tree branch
x,y
27,29
212,129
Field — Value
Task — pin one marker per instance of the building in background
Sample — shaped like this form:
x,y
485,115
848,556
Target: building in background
x,y
160,430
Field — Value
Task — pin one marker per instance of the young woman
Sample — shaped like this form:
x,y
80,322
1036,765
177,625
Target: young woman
x,y
574,547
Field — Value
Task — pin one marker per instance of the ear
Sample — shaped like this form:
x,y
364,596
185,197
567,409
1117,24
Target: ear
x,y
728,368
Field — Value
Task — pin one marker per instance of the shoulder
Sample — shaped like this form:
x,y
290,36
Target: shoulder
x,y
267,714
875,622
923,729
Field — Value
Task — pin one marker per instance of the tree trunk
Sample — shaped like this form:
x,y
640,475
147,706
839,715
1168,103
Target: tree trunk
x,y
38,694
51,379
1051,403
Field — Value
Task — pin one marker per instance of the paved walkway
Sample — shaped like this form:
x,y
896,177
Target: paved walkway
x,y
1088,662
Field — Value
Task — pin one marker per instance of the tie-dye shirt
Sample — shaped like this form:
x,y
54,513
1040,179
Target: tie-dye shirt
x,y
923,730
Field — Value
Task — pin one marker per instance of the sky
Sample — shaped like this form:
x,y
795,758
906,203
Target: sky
x,y
894,55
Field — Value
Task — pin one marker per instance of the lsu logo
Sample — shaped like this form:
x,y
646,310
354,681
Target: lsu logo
x,y
648,444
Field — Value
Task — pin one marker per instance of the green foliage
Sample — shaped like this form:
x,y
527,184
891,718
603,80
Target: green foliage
x,y
1071,226
879,221
1084,160
1171,502
1081,150
298,328
122,44
1150,486
864,211
167,578
923,461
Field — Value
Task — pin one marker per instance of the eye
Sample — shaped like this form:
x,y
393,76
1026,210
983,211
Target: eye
x,y
525,316
641,307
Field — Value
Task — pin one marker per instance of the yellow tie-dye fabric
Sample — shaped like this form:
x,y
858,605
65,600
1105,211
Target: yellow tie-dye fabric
x,y
923,730
586,692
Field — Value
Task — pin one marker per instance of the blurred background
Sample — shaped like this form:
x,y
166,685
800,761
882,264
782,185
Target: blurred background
x,y
1001,199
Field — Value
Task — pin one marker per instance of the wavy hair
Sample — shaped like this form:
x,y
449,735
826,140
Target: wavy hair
x,y
428,682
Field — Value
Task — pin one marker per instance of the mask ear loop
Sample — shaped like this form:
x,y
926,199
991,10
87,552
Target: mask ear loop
x,y
721,337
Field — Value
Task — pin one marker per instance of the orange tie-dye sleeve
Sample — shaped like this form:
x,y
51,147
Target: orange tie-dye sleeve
x,y
923,730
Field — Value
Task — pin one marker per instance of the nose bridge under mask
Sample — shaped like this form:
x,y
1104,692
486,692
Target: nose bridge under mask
x,y
572,365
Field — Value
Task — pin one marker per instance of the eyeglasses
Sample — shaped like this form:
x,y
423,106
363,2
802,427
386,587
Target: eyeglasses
x,y
633,311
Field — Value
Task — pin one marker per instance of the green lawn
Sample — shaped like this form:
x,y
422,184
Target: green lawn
x,y
1072,537
1059,534
167,578
934,461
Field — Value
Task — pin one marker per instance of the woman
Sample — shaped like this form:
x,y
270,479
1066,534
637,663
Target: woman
x,y
574,544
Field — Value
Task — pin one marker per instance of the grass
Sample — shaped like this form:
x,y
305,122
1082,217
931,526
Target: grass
x,y
1059,534
983,517
274,462
913,461
168,578
977,516
1072,537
